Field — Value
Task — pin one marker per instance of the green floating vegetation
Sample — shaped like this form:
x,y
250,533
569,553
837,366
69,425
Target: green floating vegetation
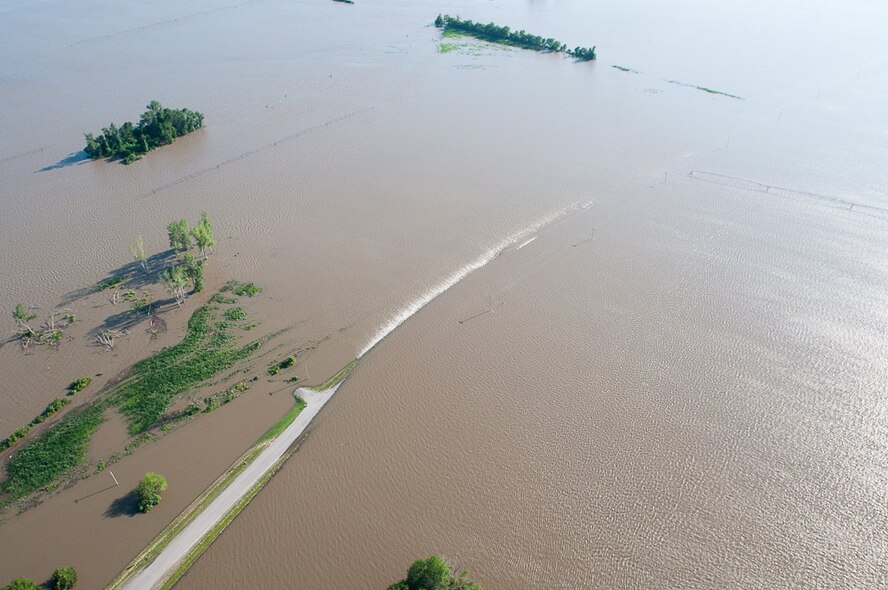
x,y
155,381
235,314
506,36
704,89
282,424
79,385
157,126
241,289
220,298
284,364
48,456
217,400
111,283
53,407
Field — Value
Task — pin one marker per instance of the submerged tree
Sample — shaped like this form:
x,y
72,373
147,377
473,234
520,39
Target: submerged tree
x,y
64,578
156,127
504,35
137,249
203,234
180,236
22,317
175,280
434,573
194,269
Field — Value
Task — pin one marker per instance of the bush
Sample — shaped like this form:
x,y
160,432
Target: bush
x,y
235,314
434,573
149,490
79,385
64,578
21,584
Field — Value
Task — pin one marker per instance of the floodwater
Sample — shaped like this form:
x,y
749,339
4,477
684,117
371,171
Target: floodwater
x,y
634,331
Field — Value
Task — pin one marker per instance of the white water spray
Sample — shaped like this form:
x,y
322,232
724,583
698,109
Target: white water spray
x,y
519,237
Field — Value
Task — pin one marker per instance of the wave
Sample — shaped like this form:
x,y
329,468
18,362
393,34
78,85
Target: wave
x,y
523,237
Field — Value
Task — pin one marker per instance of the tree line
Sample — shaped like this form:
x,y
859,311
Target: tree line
x,y
156,127
505,35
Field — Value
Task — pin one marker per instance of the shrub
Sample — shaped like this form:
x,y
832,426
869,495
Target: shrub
x,y
235,314
21,584
79,385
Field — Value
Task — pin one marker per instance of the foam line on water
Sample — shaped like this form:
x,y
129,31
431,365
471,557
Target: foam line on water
x,y
526,242
459,274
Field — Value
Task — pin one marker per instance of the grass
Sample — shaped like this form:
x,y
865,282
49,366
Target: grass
x,y
282,424
453,34
339,377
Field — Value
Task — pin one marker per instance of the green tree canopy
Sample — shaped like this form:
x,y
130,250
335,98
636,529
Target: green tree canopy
x,y
149,490
203,234
157,126
180,237
434,573
64,578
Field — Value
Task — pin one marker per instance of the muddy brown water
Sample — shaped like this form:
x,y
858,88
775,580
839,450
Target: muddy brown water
x,y
679,385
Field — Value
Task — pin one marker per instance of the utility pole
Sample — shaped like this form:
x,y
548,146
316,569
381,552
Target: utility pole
x,y
117,483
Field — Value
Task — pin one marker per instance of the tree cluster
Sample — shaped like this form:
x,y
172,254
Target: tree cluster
x,y
434,573
156,127
188,268
149,490
497,34
64,578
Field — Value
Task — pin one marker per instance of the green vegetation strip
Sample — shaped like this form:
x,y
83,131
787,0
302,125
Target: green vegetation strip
x,y
53,407
51,454
155,381
282,424
338,377
506,36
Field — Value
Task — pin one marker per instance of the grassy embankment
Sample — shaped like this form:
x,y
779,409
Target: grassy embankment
x,y
206,498
143,397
